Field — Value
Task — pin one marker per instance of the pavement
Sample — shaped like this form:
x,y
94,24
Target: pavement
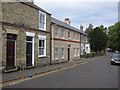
x,y
37,70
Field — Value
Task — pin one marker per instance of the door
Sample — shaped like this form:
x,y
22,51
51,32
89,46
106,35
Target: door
x,y
10,54
68,54
29,51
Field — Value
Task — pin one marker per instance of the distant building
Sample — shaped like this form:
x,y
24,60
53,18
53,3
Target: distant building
x,y
66,41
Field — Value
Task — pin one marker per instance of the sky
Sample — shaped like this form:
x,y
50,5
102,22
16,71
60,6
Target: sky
x,y
82,12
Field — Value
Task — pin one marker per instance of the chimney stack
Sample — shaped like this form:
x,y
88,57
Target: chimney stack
x,y
81,28
67,21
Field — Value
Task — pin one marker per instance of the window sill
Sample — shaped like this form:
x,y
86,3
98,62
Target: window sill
x,y
62,58
42,56
42,29
56,37
56,58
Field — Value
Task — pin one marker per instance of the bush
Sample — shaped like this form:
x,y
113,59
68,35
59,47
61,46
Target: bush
x,y
87,55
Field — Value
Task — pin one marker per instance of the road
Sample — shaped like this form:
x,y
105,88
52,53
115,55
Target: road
x,y
95,74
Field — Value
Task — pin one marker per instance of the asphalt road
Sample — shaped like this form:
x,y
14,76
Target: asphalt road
x,y
95,74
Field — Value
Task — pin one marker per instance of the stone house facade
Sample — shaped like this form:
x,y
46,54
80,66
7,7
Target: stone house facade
x,y
65,41
25,36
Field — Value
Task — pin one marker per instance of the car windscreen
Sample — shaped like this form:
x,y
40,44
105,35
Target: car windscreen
x,y
116,56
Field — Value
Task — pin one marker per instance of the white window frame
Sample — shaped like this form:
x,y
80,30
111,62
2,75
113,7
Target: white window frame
x,y
74,49
68,35
40,12
56,33
77,51
62,34
86,40
42,37
77,36
62,57
73,35
57,53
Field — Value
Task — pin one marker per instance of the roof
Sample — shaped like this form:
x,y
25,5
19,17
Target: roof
x,y
34,6
56,21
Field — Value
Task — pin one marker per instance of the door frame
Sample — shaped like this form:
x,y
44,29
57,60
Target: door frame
x,y
14,52
31,35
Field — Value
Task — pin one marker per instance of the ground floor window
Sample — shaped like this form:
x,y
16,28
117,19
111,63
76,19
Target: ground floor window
x,y
74,52
56,53
41,45
62,53
77,51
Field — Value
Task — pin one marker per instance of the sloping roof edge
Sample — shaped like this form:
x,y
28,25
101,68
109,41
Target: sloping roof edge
x,y
63,24
34,6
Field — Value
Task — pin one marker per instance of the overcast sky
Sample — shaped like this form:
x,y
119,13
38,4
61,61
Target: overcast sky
x,y
84,13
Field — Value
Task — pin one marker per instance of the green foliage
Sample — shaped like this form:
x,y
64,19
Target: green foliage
x,y
86,55
97,37
114,36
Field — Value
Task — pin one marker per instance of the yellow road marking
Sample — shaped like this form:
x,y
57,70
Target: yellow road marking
x,y
12,82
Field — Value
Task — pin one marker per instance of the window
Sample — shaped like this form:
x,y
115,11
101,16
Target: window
x,y
68,34
41,45
56,53
77,36
74,52
86,49
56,32
74,36
42,20
77,51
62,52
86,39
62,33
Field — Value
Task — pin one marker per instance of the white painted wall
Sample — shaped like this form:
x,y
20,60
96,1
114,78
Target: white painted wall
x,y
87,48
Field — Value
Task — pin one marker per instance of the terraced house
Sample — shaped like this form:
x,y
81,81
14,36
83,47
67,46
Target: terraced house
x,y
66,41
32,38
25,36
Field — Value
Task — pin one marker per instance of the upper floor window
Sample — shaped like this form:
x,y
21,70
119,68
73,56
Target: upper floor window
x,y
56,32
62,33
68,34
77,36
42,20
74,36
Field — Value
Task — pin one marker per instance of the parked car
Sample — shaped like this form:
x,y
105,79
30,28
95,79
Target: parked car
x,y
115,59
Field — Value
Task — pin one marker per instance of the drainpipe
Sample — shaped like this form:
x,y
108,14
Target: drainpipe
x,y
50,45
80,45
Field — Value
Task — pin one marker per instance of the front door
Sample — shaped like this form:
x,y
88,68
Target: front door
x,y
10,51
29,51
68,54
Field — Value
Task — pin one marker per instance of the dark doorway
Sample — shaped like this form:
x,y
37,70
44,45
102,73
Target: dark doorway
x,y
68,54
29,51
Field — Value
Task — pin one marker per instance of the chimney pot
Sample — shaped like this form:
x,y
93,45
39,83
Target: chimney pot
x,y
81,28
67,21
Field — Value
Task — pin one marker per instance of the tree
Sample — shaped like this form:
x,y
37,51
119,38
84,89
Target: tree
x,y
114,36
90,28
97,38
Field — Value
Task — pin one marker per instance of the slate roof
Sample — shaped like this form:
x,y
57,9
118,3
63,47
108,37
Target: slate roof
x,y
58,22
34,6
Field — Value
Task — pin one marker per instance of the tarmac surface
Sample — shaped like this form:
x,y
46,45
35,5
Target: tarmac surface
x,y
98,73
